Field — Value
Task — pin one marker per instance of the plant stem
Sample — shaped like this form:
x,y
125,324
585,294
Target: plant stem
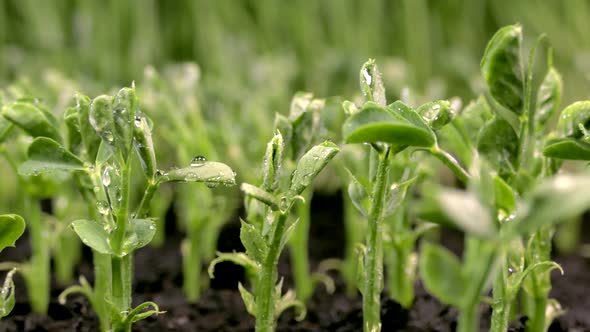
x,y
265,287
500,306
374,255
192,260
148,195
67,255
537,321
353,236
102,288
468,319
299,247
122,216
451,163
39,268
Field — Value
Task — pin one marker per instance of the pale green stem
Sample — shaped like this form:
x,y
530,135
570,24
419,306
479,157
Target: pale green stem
x,y
299,250
353,236
265,304
39,269
374,256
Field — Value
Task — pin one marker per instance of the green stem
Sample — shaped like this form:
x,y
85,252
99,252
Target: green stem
x,y
192,260
102,288
122,216
265,287
374,255
451,163
353,236
67,255
500,306
121,282
468,319
537,321
299,254
39,268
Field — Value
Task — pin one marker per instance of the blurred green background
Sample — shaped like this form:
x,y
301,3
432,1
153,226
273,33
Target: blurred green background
x,y
241,46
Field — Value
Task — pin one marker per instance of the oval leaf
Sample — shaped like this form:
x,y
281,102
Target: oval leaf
x,y
32,119
12,227
501,67
47,155
441,273
548,97
572,118
93,235
375,124
310,165
567,148
210,172
139,234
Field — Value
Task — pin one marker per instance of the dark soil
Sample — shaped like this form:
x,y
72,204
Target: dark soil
x,y
158,278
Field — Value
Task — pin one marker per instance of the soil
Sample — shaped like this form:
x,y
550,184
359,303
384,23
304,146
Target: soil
x,y
158,278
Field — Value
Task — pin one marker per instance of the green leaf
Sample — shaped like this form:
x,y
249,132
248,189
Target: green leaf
x,y
501,67
32,119
124,109
7,298
12,227
100,117
304,117
505,196
474,116
466,211
261,195
46,155
436,114
74,139
93,235
359,195
371,83
374,124
573,120
441,273
498,142
567,148
396,195
273,158
248,299
255,245
140,232
557,199
210,172
283,125
290,301
310,165
144,146
548,97
89,137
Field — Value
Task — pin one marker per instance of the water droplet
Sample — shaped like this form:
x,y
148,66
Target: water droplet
x,y
367,76
211,184
108,136
436,107
103,207
198,161
510,270
191,177
137,121
152,227
106,176
158,172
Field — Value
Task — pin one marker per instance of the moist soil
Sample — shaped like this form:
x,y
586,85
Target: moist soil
x,y
158,278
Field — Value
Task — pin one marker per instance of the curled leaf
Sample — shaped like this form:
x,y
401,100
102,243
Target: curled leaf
x,y
47,155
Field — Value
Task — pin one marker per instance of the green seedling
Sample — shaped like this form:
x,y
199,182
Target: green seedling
x,y
21,120
389,130
183,134
11,228
106,135
267,229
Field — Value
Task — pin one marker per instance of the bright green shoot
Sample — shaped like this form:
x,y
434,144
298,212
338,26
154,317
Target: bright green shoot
x,y
11,228
105,136
268,228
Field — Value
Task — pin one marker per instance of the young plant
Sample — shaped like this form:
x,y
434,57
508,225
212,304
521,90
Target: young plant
x,y
268,227
34,120
11,228
389,130
110,134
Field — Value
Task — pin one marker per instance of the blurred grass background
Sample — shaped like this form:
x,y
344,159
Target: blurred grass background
x,y
431,46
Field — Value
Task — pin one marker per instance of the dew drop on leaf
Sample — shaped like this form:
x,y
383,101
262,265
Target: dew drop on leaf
x,y
108,136
103,207
106,176
191,177
198,161
137,121
211,184
152,227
